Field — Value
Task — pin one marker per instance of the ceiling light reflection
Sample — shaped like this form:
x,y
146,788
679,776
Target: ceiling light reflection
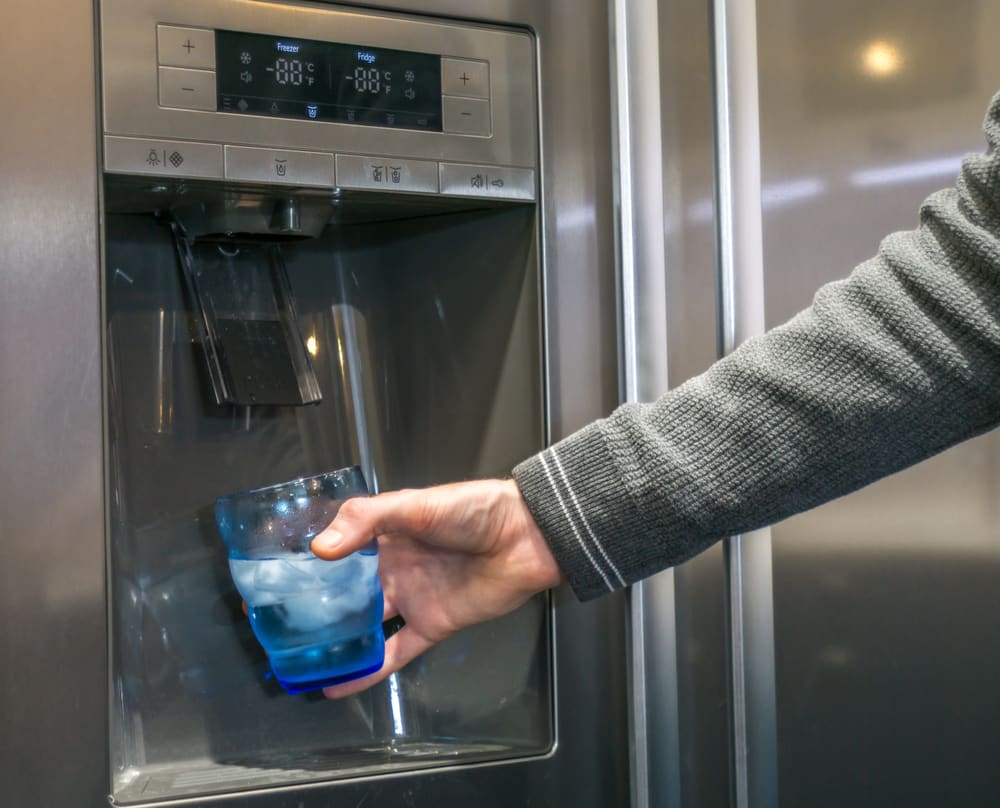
x,y
881,59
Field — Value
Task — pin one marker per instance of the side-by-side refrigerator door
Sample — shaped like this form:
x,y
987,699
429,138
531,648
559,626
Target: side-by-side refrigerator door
x,y
446,335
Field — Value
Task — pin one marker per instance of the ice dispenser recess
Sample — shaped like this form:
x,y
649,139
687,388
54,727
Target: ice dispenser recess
x,y
426,358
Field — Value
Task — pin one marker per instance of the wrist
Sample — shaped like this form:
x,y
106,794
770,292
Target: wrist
x,y
541,569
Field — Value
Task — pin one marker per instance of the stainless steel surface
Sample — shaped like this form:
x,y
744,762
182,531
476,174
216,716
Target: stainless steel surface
x,y
128,36
387,174
279,166
53,638
886,613
465,77
187,89
654,742
469,116
185,47
168,158
47,718
488,182
741,316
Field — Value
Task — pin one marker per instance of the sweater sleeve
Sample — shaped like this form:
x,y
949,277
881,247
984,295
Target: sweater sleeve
x,y
896,363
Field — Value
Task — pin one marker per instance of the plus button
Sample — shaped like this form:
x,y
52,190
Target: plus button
x,y
188,45
464,78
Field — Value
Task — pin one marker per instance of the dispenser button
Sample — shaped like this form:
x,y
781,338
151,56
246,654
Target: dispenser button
x,y
279,167
173,158
465,77
185,47
488,182
387,174
187,89
465,116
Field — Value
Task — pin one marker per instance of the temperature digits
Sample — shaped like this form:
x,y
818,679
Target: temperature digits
x,y
370,80
288,71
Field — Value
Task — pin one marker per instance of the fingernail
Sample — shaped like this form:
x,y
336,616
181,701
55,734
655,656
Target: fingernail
x,y
330,539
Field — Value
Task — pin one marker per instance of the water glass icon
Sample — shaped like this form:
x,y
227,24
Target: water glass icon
x,y
312,110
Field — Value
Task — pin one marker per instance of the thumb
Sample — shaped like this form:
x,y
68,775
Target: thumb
x,y
350,531
358,521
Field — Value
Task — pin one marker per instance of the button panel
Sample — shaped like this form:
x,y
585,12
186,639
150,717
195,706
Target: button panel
x,y
187,89
172,158
387,174
465,77
185,47
489,182
184,159
465,116
280,167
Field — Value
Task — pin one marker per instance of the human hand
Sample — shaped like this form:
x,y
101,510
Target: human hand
x,y
449,557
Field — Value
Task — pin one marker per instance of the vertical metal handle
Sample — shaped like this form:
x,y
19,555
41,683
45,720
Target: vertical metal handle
x,y
653,697
739,240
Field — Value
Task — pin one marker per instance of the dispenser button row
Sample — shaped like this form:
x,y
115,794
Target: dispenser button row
x,y
128,155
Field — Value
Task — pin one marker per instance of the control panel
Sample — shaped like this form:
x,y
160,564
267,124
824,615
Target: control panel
x,y
318,97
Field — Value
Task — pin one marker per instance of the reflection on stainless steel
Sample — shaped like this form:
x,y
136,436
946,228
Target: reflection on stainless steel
x,y
781,194
885,614
165,371
881,58
944,169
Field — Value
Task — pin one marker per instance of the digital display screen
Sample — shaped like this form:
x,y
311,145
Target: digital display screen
x,y
284,77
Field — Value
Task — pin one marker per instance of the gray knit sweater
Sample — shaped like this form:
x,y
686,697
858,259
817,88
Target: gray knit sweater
x,y
896,363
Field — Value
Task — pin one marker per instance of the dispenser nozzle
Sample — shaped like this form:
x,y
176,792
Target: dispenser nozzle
x,y
286,219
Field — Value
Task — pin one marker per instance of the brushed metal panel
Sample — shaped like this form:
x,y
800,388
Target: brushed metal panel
x,y
128,36
53,639
885,619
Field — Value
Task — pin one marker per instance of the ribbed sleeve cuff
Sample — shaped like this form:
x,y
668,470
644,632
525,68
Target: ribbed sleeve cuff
x,y
575,493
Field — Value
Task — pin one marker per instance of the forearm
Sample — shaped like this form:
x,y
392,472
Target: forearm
x,y
896,363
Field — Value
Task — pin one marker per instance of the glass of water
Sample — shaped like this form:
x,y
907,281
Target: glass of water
x,y
319,621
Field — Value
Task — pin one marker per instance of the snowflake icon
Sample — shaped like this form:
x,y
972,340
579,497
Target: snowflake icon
x,y
245,57
410,76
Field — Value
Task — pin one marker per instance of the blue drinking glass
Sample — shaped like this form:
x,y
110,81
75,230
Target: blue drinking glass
x,y
319,621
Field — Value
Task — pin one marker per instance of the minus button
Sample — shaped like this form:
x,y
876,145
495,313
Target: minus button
x,y
184,88
466,116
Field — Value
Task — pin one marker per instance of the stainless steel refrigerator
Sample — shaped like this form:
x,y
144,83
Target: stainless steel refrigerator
x,y
626,190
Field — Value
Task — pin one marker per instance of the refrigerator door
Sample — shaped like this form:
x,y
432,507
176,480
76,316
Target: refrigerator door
x,y
56,497
886,612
